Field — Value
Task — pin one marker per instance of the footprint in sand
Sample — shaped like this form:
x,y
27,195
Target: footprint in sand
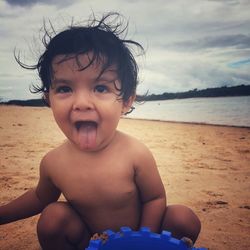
x,y
7,145
244,151
5,178
3,167
212,194
245,206
17,124
214,203
217,204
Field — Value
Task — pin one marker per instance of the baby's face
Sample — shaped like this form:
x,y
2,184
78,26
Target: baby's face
x,y
86,105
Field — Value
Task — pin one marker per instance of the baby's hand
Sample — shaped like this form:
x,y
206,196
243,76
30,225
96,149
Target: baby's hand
x,y
188,242
103,237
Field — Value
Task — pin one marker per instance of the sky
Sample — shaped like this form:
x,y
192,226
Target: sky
x,y
194,44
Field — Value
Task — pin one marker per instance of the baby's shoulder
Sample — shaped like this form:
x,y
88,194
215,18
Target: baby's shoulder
x,y
139,152
133,144
53,156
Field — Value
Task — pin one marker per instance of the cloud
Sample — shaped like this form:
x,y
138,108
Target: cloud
x,y
239,63
22,2
240,41
29,3
229,2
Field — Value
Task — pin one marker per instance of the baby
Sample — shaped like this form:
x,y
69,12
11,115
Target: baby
x,y
109,179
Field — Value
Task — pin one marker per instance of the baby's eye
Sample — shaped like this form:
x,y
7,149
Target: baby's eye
x,y
101,89
63,89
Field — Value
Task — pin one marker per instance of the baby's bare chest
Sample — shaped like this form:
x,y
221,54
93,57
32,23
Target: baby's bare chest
x,y
102,186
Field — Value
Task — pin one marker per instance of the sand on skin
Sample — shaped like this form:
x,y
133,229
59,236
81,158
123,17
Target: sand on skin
x,y
204,167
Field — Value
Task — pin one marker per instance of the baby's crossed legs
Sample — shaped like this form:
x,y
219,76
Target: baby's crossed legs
x,y
60,227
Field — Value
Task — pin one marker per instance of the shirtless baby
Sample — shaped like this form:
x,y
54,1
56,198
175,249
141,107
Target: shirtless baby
x,y
109,179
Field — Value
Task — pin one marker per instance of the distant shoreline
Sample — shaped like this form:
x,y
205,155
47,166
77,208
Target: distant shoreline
x,y
29,103
240,90
188,123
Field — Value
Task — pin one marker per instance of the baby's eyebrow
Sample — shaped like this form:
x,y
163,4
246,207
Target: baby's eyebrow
x,y
60,80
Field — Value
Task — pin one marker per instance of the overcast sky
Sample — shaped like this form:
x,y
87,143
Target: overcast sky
x,y
189,44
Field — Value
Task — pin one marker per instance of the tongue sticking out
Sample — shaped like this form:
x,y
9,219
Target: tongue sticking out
x,y
87,134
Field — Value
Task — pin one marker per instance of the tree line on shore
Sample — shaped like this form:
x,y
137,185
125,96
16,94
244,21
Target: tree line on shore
x,y
240,90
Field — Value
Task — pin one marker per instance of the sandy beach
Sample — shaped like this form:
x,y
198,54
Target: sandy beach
x,y
204,167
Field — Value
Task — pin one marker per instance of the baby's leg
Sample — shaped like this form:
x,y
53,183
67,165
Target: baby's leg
x,y
181,221
60,227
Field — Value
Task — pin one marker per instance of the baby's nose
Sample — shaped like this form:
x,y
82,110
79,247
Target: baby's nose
x,y
83,101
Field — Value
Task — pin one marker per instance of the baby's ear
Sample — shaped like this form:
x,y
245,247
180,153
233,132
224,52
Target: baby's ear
x,y
46,98
127,105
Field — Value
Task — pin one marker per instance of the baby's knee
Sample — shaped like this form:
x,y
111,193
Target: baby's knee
x,y
183,215
52,219
183,221
59,221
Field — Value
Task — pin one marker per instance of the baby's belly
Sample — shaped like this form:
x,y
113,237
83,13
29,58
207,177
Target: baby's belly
x,y
109,212
102,219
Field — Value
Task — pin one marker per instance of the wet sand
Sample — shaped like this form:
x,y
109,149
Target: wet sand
x,y
204,167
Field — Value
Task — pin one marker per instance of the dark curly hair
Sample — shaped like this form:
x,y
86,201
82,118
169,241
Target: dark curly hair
x,y
100,37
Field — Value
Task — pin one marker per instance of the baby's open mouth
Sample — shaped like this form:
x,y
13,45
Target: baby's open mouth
x,y
86,133
85,124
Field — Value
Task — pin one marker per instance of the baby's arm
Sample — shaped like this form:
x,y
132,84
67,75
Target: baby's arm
x,y
22,207
33,201
151,190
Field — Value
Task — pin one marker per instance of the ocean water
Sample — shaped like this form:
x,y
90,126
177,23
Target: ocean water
x,y
231,111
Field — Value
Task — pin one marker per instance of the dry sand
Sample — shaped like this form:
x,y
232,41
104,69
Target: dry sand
x,y
204,167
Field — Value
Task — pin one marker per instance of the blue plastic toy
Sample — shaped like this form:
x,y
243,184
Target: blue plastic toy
x,y
144,239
